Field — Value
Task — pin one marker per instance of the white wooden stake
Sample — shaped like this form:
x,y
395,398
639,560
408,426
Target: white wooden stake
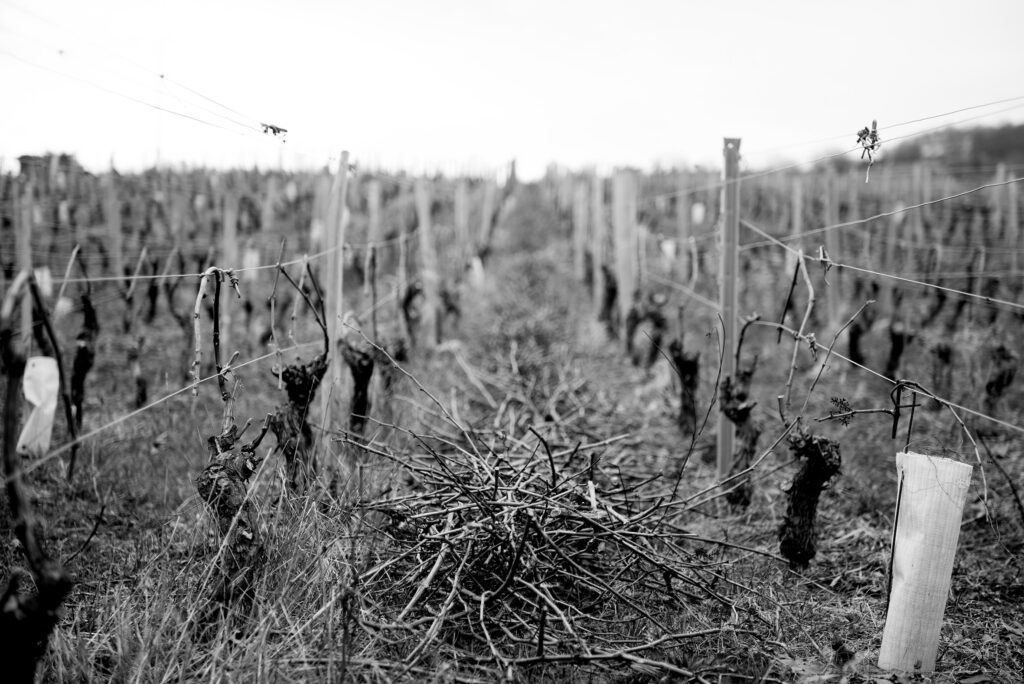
x,y
998,201
267,207
639,233
23,215
597,237
429,276
374,235
929,506
1012,223
916,217
403,261
116,237
833,292
463,241
624,227
579,230
178,211
854,180
727,291
330,391
487,214
796,217
684,228
892,235
924,171
374,226
229,255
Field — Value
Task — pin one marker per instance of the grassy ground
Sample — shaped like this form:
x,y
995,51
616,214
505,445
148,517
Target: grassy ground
x,y
536,497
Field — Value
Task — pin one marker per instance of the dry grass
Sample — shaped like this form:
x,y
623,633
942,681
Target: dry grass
x,y
473,540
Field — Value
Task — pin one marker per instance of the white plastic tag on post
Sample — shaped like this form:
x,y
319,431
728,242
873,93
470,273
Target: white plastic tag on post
x,y
929,507
41,385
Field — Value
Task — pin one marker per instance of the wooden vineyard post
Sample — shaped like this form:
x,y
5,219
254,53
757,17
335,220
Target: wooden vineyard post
x,y
945,210
710,199
684,227
64,219
178,210
23,215
1000,213
229,254
1012,224
44,178
463,242
642,242
597,237
373,211
853,181
429,276
114,234
579,230
317,236
136,236
998,202
565,192
639,232
834,290
487,215
373,256
624,231
5,181
915,223
892,236
267,208
354,193
727,291
930,232
796,213
905,230
929,507
925,184
978,282
403,261
334,238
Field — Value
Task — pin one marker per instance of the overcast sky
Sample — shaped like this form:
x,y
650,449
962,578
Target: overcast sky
x,y
469,84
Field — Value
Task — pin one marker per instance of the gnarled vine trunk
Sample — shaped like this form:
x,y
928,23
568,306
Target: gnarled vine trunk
x,y
290,425
820,461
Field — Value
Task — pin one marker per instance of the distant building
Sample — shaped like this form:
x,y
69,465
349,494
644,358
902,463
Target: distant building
x,y
50,172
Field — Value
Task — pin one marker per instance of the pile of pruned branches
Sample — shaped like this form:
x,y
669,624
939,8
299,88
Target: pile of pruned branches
x,y
528,555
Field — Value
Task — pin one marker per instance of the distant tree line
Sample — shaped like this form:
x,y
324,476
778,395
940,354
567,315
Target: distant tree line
x,y
961,148
965,147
